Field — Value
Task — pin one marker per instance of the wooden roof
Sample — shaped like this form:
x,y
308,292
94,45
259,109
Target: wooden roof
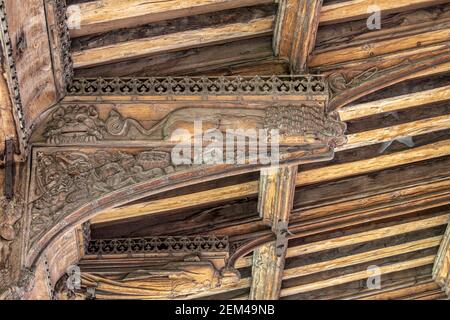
x,y
383,200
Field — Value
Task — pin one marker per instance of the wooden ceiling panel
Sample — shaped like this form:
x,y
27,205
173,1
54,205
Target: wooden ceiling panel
x,y
107,15
181,34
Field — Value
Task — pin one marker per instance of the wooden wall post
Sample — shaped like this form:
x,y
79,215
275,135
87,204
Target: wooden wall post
x,y
276,196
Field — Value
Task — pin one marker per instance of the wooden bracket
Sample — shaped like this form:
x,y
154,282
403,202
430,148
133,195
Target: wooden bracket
x,y
9,169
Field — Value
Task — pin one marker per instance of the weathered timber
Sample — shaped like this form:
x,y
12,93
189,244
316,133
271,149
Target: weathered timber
x,y
276,195
356,276
402,102
197,60
102,16
172,42
333,172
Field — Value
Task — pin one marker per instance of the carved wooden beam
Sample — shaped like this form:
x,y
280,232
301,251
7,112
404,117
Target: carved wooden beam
x,y
295,31
102,16
276,196
348,86
28,62
441,269
332,172
59,40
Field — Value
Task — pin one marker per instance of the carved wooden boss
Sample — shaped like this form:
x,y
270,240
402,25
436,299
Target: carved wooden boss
x,y
110,141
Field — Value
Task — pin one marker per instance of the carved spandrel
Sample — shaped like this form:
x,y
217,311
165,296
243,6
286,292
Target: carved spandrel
x,y
66,180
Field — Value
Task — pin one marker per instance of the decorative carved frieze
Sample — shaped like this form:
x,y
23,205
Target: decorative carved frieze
x,y
258,85
62,30
67,180
78,124
175,244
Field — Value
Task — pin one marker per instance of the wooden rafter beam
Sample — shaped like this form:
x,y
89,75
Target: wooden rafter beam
x,y
441,269
105,15
295,31
361,258
276,198
337,171
196,60
358,238
360,275
409,129
357,9
172,42
402,102
367,236
378,48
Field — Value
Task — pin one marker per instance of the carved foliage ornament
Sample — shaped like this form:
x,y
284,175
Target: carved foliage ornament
x,y
66,180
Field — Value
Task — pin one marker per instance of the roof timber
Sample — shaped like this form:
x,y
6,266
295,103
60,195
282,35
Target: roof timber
x,y
390,193
172,42
413,241
276,195
357,111
295,31
361,275
102,16
362,237
332,172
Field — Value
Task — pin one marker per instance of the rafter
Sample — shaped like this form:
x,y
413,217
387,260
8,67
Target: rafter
x,y
102,16
172,42
397,103
409,129
390,268
337,171
276,196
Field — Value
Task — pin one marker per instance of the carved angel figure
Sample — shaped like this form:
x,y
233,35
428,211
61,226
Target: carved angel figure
x,y
174,280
